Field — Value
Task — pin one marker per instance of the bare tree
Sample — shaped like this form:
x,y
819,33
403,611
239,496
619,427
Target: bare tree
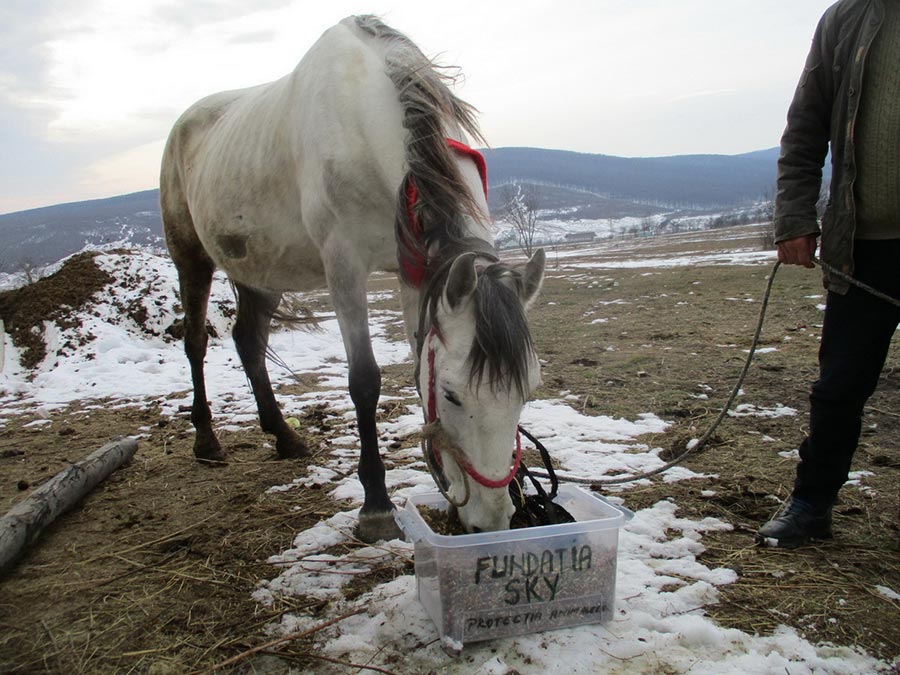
x,y
28,270
767,205
824,198
520,210
767,212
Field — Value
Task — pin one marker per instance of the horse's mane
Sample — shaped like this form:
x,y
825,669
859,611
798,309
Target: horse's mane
x,y
502,345
430,112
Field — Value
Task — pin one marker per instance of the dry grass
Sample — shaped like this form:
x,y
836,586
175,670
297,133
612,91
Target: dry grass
x,y
153,572
681,336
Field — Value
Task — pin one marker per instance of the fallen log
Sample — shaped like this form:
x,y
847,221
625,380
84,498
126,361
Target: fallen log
x,y
27,519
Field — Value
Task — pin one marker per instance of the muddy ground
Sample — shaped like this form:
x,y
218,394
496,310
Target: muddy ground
x,y
153,571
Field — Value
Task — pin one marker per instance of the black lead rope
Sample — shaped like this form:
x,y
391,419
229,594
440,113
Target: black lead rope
x,y
545,456
534,510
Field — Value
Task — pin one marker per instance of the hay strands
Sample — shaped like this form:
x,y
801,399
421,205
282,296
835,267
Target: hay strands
x,y
26,520
265,647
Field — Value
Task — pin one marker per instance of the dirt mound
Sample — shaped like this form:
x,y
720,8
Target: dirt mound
x,y
118,294
57,297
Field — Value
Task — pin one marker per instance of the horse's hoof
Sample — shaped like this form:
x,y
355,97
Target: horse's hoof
x,y
378,527
209,452
291,447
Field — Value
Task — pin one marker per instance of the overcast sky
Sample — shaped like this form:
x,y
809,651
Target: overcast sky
x,y
90,88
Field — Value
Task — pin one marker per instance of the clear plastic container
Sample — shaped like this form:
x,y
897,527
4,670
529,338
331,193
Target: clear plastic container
x,y
496,584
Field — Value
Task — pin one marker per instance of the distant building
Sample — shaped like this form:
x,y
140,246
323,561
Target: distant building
x,y
580,237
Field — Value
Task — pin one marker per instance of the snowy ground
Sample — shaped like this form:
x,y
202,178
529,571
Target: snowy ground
x,y
660,623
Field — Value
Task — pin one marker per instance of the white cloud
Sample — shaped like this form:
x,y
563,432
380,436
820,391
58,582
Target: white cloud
x,y
608,76
119,173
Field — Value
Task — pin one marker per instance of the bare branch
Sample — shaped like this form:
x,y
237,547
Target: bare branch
x,y
520,209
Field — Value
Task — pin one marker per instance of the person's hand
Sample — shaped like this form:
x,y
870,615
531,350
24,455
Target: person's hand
x,y
798,251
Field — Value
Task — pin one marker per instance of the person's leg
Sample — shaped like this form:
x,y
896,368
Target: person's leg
x,y
856,336
851,360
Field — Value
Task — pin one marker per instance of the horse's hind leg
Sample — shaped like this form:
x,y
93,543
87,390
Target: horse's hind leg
x,y
195,279
251,336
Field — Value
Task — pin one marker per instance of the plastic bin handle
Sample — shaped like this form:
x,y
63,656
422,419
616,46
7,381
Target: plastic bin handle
x,y
407,524
628,513
625,511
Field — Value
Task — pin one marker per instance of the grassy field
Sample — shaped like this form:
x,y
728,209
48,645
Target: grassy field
x,y
672,341
158,564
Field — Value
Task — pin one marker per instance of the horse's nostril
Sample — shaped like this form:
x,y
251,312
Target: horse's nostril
x,y
476,530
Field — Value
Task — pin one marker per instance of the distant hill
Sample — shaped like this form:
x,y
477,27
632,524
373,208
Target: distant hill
x,y
680,182
572,185
39,236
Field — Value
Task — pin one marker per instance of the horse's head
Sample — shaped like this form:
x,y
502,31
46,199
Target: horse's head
x,y
477,368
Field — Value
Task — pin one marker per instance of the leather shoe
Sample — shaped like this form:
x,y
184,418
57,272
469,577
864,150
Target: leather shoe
x,y
796,524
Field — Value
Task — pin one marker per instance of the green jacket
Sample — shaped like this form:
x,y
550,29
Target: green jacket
x,y
823,111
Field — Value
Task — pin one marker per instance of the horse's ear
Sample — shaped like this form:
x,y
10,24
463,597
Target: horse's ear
x,y
533,277
461,281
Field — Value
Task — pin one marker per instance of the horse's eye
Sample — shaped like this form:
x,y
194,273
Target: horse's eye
x,y
450,396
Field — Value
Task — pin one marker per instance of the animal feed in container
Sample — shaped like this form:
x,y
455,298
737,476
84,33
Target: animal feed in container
x,y
511,582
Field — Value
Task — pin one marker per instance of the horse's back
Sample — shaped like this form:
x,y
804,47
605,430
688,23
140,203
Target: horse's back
x,y
204,180
265,177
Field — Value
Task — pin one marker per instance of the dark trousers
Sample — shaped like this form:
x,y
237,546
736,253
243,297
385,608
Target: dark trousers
x,y
856,336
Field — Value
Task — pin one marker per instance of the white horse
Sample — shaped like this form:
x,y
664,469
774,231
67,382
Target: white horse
x,y
355,162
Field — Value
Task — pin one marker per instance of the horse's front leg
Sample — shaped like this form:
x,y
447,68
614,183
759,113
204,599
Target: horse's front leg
x,y
347,283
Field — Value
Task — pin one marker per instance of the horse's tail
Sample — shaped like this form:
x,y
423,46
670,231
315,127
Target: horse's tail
x,y
431,112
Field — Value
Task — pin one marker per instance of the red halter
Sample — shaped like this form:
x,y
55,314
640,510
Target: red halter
x,y
414,270
464,463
